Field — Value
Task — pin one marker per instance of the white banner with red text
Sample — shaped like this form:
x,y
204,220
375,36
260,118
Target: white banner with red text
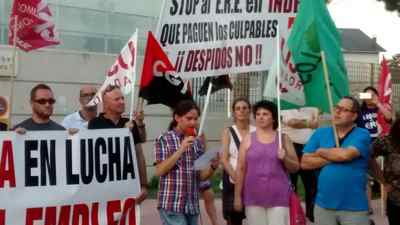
x,y
215,37
49,177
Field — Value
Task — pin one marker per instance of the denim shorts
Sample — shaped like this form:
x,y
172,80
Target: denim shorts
x,y
174,218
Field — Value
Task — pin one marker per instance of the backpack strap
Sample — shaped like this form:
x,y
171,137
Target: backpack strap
x,y
234,136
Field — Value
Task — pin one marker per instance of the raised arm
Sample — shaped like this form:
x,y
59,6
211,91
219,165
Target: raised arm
x,y
163,166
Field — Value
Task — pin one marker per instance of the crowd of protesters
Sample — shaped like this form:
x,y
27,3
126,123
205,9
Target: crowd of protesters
x,y
260,164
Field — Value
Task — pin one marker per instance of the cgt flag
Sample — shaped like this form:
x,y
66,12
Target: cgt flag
x,y
314,31
219,82
35,28
158,85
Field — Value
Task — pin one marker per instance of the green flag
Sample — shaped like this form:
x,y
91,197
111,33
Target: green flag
x,y
314,31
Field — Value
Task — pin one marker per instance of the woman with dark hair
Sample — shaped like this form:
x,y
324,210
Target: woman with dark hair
x,y
231,138
262,183
389,148
175,153
375,116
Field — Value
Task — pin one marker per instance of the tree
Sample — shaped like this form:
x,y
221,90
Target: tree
x,y
392,5
395,61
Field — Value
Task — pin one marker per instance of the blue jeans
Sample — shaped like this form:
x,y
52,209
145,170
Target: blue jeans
x,y
174,218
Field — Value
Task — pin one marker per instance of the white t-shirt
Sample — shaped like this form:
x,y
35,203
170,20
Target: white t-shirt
x,y
299,136
75,120
233,150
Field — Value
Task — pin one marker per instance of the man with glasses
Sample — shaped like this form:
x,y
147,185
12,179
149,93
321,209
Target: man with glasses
x,y
341,193
42,103
113,108
79,119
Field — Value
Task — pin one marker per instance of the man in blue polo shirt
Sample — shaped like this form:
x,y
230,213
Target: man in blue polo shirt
x,y
341,193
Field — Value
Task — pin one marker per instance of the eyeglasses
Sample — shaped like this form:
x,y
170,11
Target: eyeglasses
x,y
43,101
343,109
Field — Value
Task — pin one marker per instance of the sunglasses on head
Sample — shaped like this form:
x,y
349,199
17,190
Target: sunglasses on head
x,y
43,101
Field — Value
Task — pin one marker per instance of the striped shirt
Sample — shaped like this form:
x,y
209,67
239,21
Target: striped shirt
x,y
178,189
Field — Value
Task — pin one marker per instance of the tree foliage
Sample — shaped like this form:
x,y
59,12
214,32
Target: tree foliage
x,y
395,61
392,5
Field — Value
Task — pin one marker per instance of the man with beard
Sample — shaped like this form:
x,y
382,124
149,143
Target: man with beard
x,y
42,103
79,119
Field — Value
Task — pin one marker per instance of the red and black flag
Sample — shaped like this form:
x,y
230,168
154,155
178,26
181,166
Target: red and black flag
x,y
158,85
219,82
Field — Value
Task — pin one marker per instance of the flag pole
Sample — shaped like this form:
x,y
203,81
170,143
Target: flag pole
x,y
14,69
228,102
204,113
134,76
329,93
278,92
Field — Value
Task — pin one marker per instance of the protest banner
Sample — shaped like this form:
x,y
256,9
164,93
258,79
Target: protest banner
x,y
48,177
215,37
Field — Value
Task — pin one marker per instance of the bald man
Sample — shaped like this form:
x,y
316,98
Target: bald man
x,y
79,119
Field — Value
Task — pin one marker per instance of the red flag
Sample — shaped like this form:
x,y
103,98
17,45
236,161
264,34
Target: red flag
x,y
385,94
35,28
385,84
157,85
155,61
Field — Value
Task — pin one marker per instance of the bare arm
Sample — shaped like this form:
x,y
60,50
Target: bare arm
x,y
339,154
209,171
139,119
290,159
240,172
225,140
165,166
313,161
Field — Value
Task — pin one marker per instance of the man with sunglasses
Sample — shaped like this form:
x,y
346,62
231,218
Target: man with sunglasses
x,y
42,103
342,181
113,109
79,119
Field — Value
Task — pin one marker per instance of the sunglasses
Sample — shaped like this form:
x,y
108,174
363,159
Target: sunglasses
x,y
43,101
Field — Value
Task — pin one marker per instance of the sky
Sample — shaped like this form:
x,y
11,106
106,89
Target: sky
x,y
371,17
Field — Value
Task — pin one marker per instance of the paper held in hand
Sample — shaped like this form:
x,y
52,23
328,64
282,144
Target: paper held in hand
x,y
204,160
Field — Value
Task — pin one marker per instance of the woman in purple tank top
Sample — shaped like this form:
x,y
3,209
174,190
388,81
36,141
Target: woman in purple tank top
x,y
262,183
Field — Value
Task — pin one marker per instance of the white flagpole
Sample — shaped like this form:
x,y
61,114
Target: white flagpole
x,y
14,67
278,78
204,114
138,214
228,102
134,75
